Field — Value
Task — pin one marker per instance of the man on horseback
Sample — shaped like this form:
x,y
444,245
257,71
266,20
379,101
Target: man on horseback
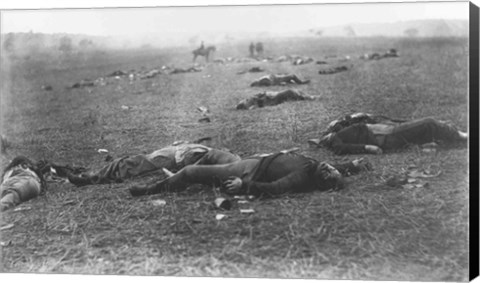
x,y
202,51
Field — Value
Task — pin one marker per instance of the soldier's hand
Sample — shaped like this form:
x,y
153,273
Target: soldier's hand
x,y
233,185
329,172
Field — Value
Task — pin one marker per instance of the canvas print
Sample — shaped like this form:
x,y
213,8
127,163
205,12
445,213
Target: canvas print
x,y
325,141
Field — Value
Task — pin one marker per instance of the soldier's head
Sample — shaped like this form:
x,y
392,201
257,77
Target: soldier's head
x,y
26,163
327,177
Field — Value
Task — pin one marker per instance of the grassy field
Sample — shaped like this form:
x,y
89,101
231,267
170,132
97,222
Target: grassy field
x,y
366,231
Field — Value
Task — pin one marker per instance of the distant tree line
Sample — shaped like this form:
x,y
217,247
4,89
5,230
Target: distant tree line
x,y
31,43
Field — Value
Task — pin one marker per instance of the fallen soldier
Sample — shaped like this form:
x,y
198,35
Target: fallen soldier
x,y
301,60
172,157
366,133
263,99
376,56
272,79
271,175
21,181
118,73
150,74
188,70
333,70
83,83
251,70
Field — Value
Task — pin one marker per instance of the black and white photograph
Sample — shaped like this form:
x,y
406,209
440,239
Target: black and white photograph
x,y
280,140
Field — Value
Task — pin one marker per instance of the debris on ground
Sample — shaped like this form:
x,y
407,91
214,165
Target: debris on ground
x,y
424,174
69,202
429,150
412,179
158,202
125,107
220,216
47,87
244,197
222,203
247,211
204,110
6,227
204,120
22,208
102,150
6,244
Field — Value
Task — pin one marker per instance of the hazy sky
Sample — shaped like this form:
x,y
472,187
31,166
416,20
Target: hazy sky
x,y
131,21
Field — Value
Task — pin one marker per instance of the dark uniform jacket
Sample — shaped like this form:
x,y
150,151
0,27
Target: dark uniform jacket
x,y
288,173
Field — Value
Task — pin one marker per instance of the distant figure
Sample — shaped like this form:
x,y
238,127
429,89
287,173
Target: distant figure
x,y
202,46
271,80
202,51
259,49
251,49
272,98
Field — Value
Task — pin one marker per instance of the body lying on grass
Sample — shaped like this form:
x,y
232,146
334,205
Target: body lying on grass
x,y
333,70
21,181
279,79
270,175
172,157
251,70
188,70
272,98
391,53
366,133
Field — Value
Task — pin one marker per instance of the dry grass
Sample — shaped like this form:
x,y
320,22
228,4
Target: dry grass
x,y
367,231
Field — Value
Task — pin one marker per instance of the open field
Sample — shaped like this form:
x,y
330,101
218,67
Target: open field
x,y
366,231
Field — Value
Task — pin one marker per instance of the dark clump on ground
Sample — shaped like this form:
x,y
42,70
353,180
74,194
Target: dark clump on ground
x,y
333,70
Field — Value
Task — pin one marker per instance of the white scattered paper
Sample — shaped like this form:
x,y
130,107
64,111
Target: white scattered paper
x,y
22,208
247,211
220,216
8,226
159,202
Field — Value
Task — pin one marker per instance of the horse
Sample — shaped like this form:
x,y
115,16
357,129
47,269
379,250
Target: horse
x,y
205,52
